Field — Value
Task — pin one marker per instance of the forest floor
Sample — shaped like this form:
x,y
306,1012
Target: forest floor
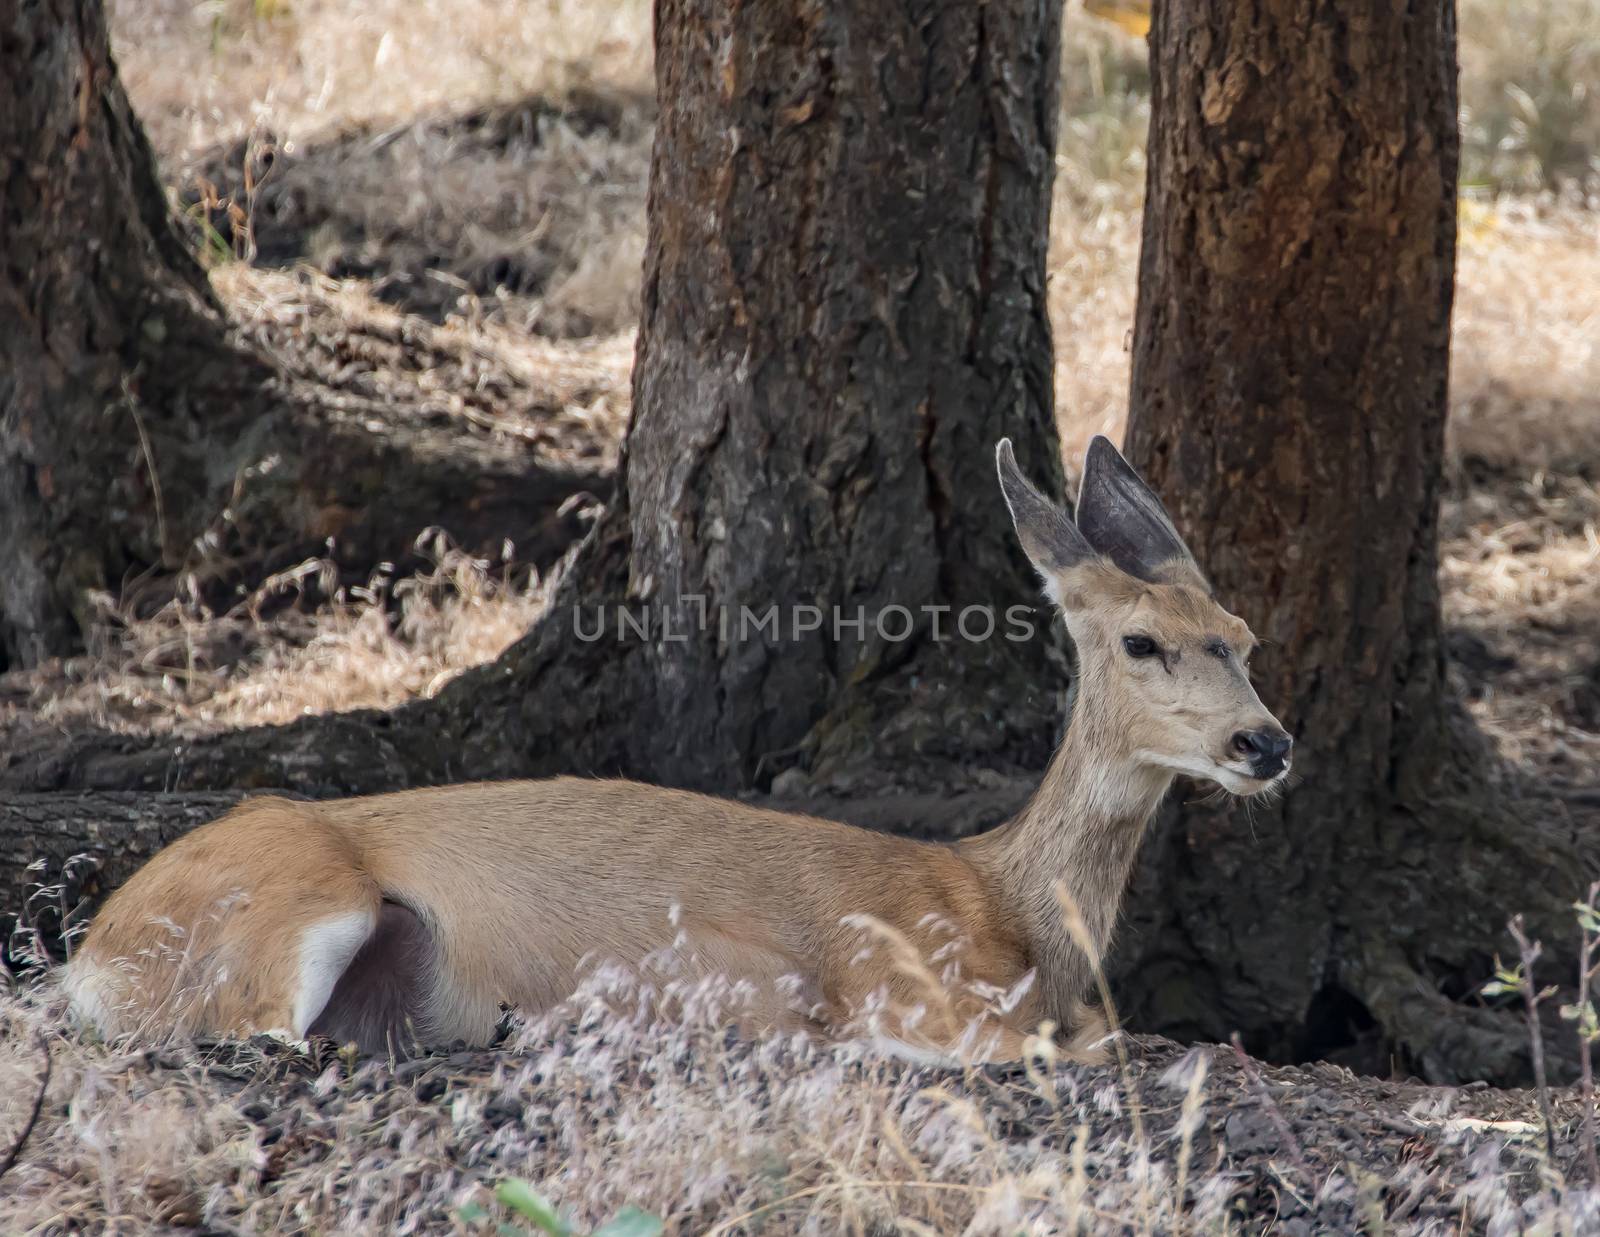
x,y
715,1135
438,218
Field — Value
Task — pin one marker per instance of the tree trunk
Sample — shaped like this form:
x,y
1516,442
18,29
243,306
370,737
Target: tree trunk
x,y
843,311
1289,399
137,437
60,854
123,409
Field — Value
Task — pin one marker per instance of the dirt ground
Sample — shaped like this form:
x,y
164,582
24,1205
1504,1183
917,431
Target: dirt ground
x,y
437,220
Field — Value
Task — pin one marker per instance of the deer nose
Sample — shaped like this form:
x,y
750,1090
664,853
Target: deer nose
x,y
1267,750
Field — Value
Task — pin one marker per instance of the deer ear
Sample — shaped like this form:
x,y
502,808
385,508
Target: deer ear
x,y
1049,538
1121,517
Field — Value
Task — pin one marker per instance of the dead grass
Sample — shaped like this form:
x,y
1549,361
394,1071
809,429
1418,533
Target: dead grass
x,y
375,647
532,212
1105,109
1093,279
780,1135
477,379
1094,237
300,644
1519,563
1520,574
458,156
1526,375
210,74
1529,106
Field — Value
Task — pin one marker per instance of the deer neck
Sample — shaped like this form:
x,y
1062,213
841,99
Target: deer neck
x,y
1081,830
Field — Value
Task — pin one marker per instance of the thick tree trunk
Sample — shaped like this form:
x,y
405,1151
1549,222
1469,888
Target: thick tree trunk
x,y
844,309
1288,402
136,437
124,412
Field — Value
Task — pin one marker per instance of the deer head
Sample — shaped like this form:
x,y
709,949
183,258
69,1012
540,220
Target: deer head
x,y
1164,668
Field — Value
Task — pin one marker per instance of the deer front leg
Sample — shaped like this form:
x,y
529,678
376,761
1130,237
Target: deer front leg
x,y
1084,1041
1088,1037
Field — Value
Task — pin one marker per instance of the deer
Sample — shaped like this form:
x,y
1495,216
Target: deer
x,y
415,918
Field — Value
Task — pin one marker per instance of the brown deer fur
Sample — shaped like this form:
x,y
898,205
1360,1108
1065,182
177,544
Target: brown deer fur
x,y
420,914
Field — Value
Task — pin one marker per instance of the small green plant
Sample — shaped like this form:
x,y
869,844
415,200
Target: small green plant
x,y
1582,1013
215,249
523,1200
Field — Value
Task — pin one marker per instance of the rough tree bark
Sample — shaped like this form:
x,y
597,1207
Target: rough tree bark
x,y
110,331
843,310
131,425
1289,398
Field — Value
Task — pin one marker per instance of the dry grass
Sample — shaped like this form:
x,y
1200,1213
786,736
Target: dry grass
x,y
1521,579
209,74
1518,568
1094,238
458,156
1105,110
300,644
531,211
1529,104
720,1136
1093,276
479,381
1526,375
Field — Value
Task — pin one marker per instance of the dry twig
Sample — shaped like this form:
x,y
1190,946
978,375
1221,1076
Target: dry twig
x,y
33,1117
1274,1113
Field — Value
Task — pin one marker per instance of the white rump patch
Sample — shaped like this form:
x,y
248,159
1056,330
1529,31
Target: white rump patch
x,y
326,951
85,986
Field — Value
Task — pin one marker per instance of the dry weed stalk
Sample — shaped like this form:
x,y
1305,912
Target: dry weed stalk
x,y
1269,1104
1521,980
1078,929
1188,1123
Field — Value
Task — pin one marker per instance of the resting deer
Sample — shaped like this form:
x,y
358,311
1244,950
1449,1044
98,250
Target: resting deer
x,y
414,917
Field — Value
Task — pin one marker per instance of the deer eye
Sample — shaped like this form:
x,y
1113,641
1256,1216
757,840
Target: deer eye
x,y
1140,646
